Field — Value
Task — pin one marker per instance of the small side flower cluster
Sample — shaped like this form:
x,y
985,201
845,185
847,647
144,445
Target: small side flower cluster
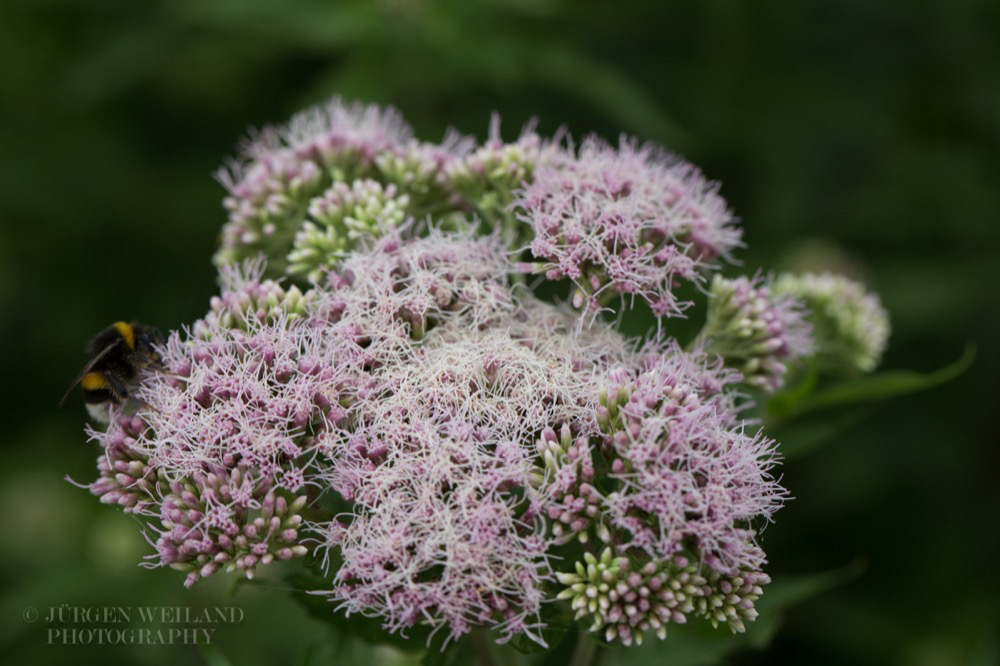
x,y
630,221
495,169
755,331
125,476
623,603
489,176
421,171
850,326
246,295
227,519
573,501
730,598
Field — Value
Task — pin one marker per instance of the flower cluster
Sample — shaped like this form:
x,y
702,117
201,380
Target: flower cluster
x,y
489,176
441,436
629,221
683,497
126,478
730,598
227,519
338,219
422,171
495,169
755,331
419,284
442,531
690,479
850,326
623,603
215,459
448,525
305,194
246,295
573,501
282,169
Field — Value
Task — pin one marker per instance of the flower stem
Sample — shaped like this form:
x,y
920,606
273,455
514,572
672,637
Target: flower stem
x,y
585,652
484,657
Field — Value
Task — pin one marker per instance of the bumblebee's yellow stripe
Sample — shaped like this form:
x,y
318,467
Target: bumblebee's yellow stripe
x,y
94,381
127,333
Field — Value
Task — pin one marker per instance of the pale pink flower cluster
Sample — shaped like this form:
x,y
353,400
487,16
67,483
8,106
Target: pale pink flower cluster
x,y
217,459
690,477
411,385
631,221
447,526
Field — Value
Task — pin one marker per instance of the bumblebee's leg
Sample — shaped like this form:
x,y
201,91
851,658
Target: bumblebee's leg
x,y
119,392
141,361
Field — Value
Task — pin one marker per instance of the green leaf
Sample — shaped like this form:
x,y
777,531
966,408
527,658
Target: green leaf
x,y
474,648
366,629
811,433
785,402
802,399
698,644
213,655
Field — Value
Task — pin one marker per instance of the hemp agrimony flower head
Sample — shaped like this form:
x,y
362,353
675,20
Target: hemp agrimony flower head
x,y
623,604
754,330
448,448
246,295
421,171
629,221
850,326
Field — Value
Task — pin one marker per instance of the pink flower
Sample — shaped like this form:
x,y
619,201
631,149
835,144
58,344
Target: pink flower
x,y
214,458
690,477
442,531
627,221
448,523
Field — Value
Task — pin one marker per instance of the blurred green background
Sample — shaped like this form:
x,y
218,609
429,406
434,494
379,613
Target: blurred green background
x,y
873,125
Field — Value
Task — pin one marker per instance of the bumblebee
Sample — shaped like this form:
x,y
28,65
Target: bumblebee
x,y
118,353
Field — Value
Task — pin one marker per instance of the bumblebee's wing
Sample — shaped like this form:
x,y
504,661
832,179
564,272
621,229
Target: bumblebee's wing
x,y
87,368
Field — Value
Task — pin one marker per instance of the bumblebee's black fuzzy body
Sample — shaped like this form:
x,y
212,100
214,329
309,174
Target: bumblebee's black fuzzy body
x,y
118,353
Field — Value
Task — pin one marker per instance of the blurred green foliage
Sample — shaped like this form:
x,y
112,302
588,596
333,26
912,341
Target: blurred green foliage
x,y
874,126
